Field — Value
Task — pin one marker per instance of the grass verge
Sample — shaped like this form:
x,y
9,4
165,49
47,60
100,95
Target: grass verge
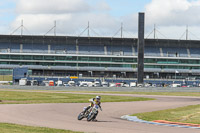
x,y
195,94
13,128
19,97
188,114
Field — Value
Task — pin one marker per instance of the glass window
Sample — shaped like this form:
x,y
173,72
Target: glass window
x,y
127,65
4,62
15,63
172,61
183,61
29,63
106,59
93,58
4,56
6,71
38,57
94,65
116,65
26,57
46,64
61,58
30,72
129,60
193,61
15,57
70,64
83,64
71,58
150,60
60,64
195,67
161,61
105,65
151,66
117,59
83,58
49,57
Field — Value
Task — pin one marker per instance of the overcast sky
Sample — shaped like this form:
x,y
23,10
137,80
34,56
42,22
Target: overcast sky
x,y
105,17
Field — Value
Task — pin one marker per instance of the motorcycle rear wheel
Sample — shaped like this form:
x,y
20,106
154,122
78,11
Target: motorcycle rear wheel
x,y
91,117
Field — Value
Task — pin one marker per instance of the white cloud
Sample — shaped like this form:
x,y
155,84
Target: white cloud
x,y
173,12
172,16
72,17
101,6
38,23
51,6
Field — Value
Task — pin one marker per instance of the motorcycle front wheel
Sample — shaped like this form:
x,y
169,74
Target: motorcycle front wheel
x,y
80,116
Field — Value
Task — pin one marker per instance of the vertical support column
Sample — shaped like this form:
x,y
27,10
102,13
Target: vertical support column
x,y
21,48
105,50
188,52
140,71
161,52
49,49
77,47
133,50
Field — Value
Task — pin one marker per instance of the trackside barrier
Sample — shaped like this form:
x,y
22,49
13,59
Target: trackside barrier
x,y
135,119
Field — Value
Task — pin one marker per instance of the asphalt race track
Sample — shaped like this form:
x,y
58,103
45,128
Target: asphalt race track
x,y
64,116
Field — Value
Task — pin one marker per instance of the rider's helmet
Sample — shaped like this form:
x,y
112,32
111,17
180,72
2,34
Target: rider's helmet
x,y
98,98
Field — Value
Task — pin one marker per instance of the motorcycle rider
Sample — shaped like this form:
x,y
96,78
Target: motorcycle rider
x,y
94,101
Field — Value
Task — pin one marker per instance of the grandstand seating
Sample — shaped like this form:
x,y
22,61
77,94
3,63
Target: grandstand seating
x,y
152,51
8,47
125,50
35,48
119,50
63,49
195,52
113,50
91,49
174,52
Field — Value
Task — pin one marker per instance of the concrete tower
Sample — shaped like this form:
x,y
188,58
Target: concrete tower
x,y
140,47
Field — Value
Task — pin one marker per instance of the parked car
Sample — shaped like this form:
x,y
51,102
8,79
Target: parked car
x,y
104,84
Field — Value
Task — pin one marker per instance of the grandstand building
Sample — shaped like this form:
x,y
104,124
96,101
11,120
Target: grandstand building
x,y
98,56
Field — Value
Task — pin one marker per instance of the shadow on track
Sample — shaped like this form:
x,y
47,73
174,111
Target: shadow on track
x,y
98,121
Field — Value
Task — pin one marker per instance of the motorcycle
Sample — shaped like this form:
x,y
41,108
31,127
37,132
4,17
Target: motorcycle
x,y
90,114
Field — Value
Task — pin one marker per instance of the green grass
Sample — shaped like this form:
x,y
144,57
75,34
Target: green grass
x,y
13,128
15,97
197,94
169,93
188,114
